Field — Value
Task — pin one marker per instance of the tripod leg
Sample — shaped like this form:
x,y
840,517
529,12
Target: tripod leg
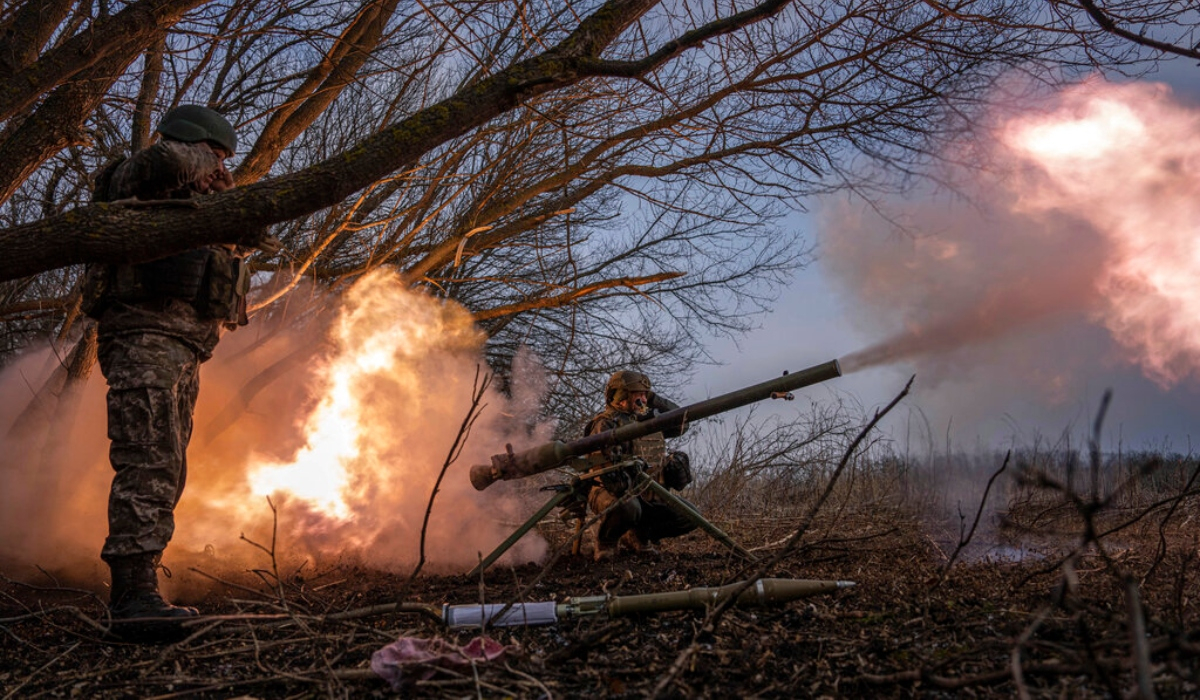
x,y
520,532
577,543
684,508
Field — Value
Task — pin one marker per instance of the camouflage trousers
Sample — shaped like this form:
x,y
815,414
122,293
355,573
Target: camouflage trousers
x,y
153,381
651,519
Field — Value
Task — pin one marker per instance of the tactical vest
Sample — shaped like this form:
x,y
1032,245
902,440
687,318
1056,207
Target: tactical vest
x,y
651,448
213,280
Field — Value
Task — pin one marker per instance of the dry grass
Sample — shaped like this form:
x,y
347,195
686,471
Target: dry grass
x,y
1077,578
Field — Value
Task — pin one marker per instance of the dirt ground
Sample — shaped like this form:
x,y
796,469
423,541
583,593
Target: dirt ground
x,y
1006,621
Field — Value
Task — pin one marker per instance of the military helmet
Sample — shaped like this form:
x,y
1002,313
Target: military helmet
x,y
192,123
623,382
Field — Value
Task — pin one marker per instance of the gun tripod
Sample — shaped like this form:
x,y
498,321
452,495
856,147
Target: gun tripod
x,y
576,488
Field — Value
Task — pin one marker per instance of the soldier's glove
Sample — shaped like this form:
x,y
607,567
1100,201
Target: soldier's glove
x,y
676,471
618,481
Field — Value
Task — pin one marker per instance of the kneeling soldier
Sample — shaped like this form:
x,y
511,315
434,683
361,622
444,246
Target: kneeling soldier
x,y
640,521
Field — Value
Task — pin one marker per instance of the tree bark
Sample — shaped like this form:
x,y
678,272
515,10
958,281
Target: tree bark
x,y
120,37
54,126
147,95
30,29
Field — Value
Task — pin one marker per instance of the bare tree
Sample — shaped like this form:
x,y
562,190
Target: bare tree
x,y
599,181
1140,22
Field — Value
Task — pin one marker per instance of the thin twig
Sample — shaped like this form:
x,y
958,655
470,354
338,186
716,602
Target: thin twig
x,y
271,553
713,618
43,667
464,432
963,541
545,691
1139,646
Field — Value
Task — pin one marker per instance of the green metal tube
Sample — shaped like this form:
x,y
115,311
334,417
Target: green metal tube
x,y
520,532
766,591
684,508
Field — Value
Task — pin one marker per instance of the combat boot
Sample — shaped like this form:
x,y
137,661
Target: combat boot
x,y
635,543
135,595
604,551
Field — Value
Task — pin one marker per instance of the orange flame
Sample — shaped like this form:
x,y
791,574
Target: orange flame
x,y
387,405
368,431
378,334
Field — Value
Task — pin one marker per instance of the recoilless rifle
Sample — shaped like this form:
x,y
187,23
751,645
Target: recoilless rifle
x,y
580,456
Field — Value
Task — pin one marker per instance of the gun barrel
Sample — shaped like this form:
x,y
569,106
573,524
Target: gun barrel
x,y
549,455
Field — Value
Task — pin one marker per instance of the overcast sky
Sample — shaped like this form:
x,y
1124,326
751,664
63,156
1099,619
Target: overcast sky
x,y
982,394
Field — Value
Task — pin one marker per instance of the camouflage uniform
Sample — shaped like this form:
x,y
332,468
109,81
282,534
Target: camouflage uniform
x,y
645,516
151,345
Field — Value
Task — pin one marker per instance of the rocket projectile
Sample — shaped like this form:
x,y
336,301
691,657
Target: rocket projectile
x,y
766,591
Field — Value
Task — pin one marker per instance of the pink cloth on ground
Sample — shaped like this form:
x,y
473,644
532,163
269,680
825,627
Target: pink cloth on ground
x,y
410,659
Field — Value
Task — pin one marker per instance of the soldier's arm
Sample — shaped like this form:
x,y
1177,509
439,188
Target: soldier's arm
x,y
600,425
661,403
164,168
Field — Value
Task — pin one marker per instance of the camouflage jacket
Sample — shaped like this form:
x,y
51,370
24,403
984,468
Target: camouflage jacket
x,y
166,170
652,448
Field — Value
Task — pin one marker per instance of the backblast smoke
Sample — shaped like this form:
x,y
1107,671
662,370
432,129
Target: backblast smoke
x,y
345,432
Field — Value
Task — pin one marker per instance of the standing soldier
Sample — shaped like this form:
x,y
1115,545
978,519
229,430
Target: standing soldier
x,y
637,522
157,322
